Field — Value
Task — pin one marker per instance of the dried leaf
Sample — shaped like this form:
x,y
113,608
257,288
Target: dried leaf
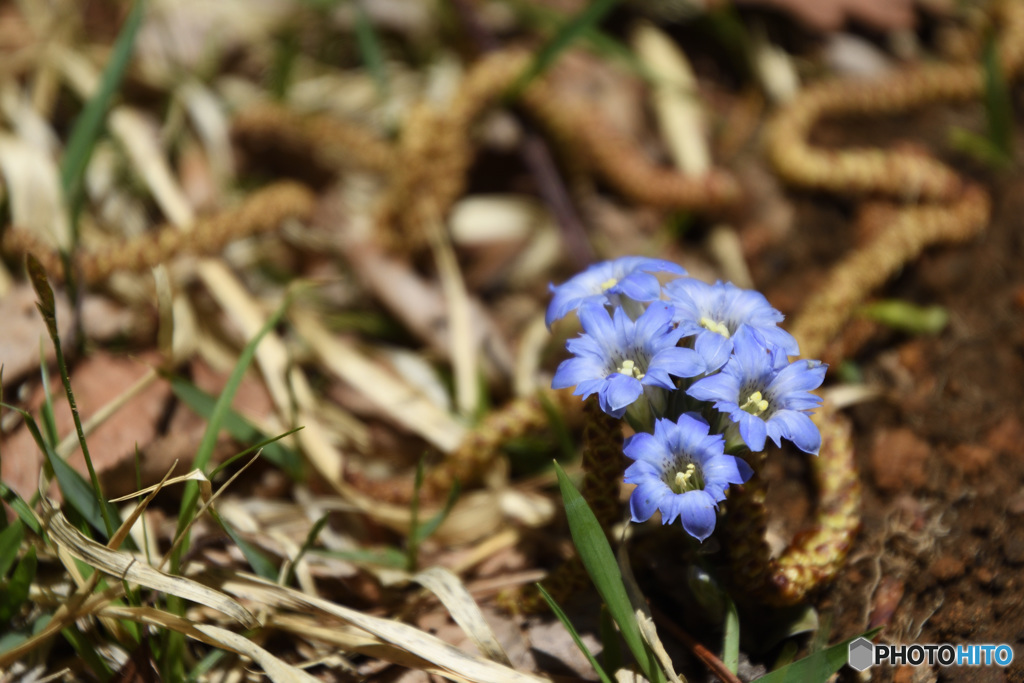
x,y
126,566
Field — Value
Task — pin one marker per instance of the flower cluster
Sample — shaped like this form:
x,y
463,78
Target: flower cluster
x,y
701,372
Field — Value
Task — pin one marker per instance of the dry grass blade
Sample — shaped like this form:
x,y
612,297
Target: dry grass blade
x,y
127,567
460,321
277,670
34,194
401,402
464,610
205,489
675,98
409,639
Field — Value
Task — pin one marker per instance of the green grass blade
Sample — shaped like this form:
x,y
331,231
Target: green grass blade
x,y
563,38
48,310
731,639
89,124
597,557
369,49
413,542
46,412
311,537
572,632
257,447
20,507
259,562
204,453
907,317
75,489
10,544
15,591
86,650
384,557
998,105
603,45
818,667
239,428
431,525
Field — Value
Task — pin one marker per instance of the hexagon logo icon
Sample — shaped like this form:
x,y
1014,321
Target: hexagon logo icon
x,y
862,654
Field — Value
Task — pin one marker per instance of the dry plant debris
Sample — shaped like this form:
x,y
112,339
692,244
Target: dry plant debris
x,y
195,225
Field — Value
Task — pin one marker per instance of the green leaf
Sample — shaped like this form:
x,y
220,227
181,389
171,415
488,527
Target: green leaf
x,y
76,490
259,562
818,667
572,632
89,124
15,592
369,49
20,507
311,537
87,652
384,557
731,639
218,415
46,412
46,307
239,428
597,557
907,317
998,105
586,19
431,525
600,43
10,544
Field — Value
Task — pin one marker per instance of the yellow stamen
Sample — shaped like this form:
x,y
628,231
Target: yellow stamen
x,y
630,369
755,404
608,284
714,326
687,479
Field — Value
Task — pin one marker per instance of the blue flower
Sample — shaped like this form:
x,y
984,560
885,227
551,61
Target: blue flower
x,y
764,394
616,357
682,471
715,313
607,282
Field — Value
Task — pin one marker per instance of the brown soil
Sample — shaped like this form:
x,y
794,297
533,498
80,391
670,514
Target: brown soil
x,y
940,555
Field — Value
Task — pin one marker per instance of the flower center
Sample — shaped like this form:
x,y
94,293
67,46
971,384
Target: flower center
x,y
608,284
715,326
755,404
630,369
687,479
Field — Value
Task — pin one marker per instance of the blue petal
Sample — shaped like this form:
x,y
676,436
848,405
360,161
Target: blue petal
x,y
798,428
646,498
725,470
752,429
574,371
801,375
695,509
751,355
679,362
776,336
720,387
646,448
639,287
618,392
713,348
587,388
596,323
